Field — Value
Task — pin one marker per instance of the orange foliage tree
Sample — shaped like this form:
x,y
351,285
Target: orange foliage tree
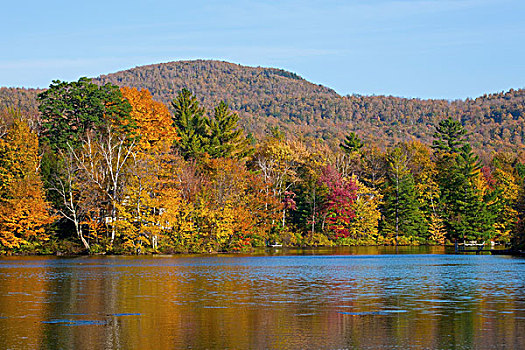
x,y
152,118
23,210
148,170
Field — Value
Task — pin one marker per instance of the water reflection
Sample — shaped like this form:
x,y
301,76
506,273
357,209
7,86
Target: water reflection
x,y
270,300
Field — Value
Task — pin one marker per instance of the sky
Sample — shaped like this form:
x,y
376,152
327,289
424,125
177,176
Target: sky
x,y
410,48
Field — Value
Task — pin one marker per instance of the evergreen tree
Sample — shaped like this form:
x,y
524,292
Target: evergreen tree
x,y
227,140
402,216
70,110
309,194
469,208
351,143
190,123
448,136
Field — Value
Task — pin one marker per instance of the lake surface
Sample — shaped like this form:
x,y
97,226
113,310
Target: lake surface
x,y
356,298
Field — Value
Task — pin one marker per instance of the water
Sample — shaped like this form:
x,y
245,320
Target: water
x,y
356,298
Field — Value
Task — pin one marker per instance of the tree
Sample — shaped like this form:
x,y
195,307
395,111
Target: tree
x,y
103,160
351,143
470,208
71,110
507,185
153,120
449,136
277,161
401,212
364,228
424,172
309,191
24,213
75,197
338,205
227,140
138,221
190,124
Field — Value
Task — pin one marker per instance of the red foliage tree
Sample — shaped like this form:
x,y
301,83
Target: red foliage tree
x,y
341,194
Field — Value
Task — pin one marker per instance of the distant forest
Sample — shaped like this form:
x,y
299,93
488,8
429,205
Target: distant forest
x,y
268,97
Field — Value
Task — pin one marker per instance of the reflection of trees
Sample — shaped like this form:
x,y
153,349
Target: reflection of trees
x,y
269,302
23,293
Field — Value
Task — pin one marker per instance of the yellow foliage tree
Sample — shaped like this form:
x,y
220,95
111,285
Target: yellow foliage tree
x,y
436,230
23,210
152,118
177,221
364,226
507,183
139,214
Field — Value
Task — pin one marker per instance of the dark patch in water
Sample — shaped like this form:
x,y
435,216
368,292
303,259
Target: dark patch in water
x,y
67,322
125,314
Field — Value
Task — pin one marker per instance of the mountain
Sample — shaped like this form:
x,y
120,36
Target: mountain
x,y
266,97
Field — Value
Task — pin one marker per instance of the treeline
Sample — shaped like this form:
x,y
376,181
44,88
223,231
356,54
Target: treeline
x,y
110,170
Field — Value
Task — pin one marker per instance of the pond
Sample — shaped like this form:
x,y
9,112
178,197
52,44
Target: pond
x,y
356,298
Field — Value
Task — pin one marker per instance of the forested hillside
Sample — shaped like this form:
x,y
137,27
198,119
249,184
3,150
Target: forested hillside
x,y
107,169
266,97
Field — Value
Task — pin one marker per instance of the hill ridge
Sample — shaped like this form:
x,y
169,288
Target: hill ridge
x,y
275,97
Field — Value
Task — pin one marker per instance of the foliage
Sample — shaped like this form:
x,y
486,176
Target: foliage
x,y
338,205
148,181
24,213
272,97
402,216
448,136
364,228
190,123
70,110
226,139
351,143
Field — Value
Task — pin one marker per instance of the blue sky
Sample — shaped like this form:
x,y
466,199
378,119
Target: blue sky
x,y
412,48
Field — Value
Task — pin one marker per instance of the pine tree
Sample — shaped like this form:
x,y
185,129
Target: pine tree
x,y
351,143
72,109
402,216
227,140
470,211
449,136
190,123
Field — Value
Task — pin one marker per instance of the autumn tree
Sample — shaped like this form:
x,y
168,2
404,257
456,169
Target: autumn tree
x,y
148,170
24,213
364,228
338,204
508,187
153,120
278,160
